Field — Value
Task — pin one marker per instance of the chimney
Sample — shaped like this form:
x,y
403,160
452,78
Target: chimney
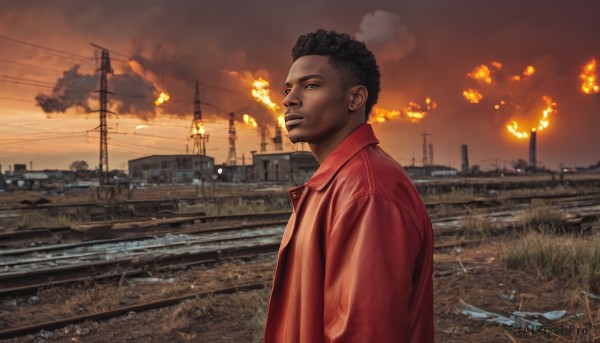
x,y
464,152
532,151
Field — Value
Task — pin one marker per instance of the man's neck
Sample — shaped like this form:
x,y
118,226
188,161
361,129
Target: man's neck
x,y
323,149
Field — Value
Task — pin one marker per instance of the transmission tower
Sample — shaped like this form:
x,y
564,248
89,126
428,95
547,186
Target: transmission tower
x,y
425,134
105,68
231,157
198,134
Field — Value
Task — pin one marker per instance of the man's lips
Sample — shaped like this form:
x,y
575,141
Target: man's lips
x,y
293,119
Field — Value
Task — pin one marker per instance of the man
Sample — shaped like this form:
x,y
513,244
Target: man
x,y
355,262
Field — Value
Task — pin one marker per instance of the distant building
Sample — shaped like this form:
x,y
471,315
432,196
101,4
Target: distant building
x,y
19,169
171,168
286,167
430,171
227,173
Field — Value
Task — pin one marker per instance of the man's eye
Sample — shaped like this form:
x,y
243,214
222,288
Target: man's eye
x,y
286,91
312,85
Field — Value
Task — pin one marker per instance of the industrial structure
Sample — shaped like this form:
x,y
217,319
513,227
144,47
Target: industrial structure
x,y
425,155
105,69
231,155
289,167
198,134
532,152
171,168
464,154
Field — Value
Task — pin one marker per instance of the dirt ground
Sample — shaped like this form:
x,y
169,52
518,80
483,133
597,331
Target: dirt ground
x,y
472,275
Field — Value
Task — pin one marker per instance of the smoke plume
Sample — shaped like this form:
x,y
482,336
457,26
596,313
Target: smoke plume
x,y
384,33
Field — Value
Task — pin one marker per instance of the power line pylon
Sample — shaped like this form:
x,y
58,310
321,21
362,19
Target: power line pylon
x,y
105,68
231,157
198,134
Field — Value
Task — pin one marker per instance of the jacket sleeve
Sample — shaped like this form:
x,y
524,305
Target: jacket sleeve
x,y
371,251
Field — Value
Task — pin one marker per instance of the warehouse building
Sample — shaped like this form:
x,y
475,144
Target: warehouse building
x,y
171,168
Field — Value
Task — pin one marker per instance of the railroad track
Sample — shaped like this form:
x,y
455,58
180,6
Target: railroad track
x,y
121,228
53,325
28,269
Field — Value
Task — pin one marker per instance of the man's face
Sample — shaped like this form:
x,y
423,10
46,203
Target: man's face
x,y
316,103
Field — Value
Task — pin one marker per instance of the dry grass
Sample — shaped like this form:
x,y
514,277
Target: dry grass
x,y
213,208
39,219
544,219
477,226
573,259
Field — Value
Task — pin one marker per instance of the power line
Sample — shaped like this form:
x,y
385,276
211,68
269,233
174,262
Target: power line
x,y
44,47
15,99
25,79
29,65
42,139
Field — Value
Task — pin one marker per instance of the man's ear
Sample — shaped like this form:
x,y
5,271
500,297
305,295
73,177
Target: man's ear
x,y
357,97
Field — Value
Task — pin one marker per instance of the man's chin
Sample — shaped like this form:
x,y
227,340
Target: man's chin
x,y
296,137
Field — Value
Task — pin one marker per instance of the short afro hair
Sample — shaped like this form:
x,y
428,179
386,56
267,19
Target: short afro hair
x,y
351,57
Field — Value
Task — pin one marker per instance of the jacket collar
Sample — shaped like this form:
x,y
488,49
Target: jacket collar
x,y
360,138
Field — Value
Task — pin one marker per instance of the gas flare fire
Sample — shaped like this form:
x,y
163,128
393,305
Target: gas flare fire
x,y
589,78
551,107
472,95
530,70
260,91
197,128
162,98
484,74
249,120
414,112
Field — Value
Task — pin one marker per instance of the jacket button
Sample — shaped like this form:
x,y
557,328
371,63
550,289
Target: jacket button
x,y
295,195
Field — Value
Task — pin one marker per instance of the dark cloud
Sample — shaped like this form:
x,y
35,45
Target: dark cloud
x,y
425,49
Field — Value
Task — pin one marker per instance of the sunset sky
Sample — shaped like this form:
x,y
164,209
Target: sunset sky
x,y
424,49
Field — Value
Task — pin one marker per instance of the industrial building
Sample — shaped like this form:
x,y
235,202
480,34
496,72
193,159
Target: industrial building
x,y
171,168
416,172
288,167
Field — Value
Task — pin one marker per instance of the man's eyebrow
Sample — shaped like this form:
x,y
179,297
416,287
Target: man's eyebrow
x,y
304,78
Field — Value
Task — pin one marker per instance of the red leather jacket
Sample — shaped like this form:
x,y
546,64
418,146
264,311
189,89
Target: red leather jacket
x,y
355,262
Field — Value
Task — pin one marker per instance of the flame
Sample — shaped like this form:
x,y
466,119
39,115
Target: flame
x,y
473,95
530,70
589,78
381,115
414,112
261,92
162,98
543,123
483,73
249,120
197,128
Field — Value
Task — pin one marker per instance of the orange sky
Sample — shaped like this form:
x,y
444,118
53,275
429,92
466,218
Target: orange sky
x,y
424,50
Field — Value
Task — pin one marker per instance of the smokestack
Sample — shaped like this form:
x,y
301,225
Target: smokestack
x,y
532,151
232,157
464,151
263,140
277,139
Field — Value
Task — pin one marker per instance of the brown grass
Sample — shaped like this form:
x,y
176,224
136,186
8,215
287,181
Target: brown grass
x,y
569,258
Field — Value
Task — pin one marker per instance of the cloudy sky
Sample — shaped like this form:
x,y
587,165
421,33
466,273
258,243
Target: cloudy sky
x,y
424,49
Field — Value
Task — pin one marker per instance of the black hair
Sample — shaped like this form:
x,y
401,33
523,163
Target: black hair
x,y
356,63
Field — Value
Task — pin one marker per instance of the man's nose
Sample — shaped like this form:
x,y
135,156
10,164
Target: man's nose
x,y
291,99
